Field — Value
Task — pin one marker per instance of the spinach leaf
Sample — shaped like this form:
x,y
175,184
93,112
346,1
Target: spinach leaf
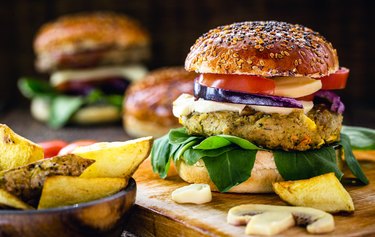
x,y
161,156
360,138
351,161
213,142
180,136
191,156
30,88
230,168
243,143
62,109
295,165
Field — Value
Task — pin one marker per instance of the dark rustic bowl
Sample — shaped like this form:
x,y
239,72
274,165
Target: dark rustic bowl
x,y
103,217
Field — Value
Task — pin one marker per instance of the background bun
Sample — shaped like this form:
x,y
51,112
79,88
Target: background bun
x,y
87,39
265,48
148,102
264,173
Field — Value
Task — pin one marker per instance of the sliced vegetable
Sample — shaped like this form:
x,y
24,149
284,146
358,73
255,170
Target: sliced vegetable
x,y
221,95
51,148
336,104
336,80
242,83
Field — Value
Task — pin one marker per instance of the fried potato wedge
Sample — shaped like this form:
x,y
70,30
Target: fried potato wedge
x,y
115,159
9,201
16,150
324,192
66,190
26,182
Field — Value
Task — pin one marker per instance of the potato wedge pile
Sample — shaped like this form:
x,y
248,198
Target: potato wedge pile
x,y
27,181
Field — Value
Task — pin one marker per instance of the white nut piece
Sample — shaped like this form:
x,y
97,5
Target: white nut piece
x,y
193,193
317,221
269,223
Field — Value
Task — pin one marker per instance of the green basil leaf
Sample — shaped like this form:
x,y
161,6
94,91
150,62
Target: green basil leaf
x,y
182,149
230,168
360,138
351,161
295,165
180,136
213,142
161,156
62,109
115,100
33,87
243,143
191,156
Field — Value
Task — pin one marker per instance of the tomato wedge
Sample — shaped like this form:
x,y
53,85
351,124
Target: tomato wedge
x,y
71,146
240,83
335,80
52,148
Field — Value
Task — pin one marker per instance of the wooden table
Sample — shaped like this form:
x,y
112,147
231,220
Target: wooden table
x,y
155,214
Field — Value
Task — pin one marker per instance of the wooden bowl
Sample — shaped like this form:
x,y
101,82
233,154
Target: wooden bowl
x,y
103,217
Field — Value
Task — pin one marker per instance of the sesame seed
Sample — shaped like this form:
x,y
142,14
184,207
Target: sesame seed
x,y
272,55
261,62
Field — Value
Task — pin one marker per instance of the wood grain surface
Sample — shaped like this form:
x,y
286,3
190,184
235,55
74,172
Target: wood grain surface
x,y
155,214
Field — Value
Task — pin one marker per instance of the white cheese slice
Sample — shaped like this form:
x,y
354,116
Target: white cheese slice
x,y
186,104
193,193
131,72
296,87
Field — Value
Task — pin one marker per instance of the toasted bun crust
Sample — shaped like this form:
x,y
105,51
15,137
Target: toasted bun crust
x,y
148,102
40,110
263,174
264,48
91,34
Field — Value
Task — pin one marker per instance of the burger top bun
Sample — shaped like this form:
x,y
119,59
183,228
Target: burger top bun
x,y
264,48
148,102
87,32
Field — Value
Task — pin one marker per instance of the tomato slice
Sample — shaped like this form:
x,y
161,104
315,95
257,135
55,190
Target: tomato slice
x,y
71,146
335,80
52,148
241,83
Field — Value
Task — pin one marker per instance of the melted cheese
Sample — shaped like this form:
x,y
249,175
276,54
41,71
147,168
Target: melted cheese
x,y
132,72
186,104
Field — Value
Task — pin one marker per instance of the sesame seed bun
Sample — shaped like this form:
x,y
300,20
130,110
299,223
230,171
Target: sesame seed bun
x,y
90,39
264,48
148,102
263,174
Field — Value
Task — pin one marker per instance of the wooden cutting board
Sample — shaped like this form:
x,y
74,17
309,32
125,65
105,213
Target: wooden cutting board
x,y
155,214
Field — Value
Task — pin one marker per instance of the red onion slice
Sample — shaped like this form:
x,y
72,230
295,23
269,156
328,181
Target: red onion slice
x,y
222,95
336,104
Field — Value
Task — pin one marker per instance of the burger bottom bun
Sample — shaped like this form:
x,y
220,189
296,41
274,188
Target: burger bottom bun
x,y
263,174
94,114
140,128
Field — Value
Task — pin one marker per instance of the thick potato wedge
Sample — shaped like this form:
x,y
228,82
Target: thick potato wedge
x,y
65,190
324,192
16,150
115,159
8,200
26,182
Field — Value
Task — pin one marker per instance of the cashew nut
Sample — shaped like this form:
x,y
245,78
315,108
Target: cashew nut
x,y
317,221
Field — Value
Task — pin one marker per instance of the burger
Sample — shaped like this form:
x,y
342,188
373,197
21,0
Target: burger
x,y
91,59
148,102
263,110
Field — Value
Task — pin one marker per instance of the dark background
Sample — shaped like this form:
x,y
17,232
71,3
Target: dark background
x,y
174,25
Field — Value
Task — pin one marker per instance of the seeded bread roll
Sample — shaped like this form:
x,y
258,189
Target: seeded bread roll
x,y
264,48
148,102
79,40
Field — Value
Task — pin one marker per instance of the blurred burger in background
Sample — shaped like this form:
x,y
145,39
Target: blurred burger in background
x,y
148,102
91,59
